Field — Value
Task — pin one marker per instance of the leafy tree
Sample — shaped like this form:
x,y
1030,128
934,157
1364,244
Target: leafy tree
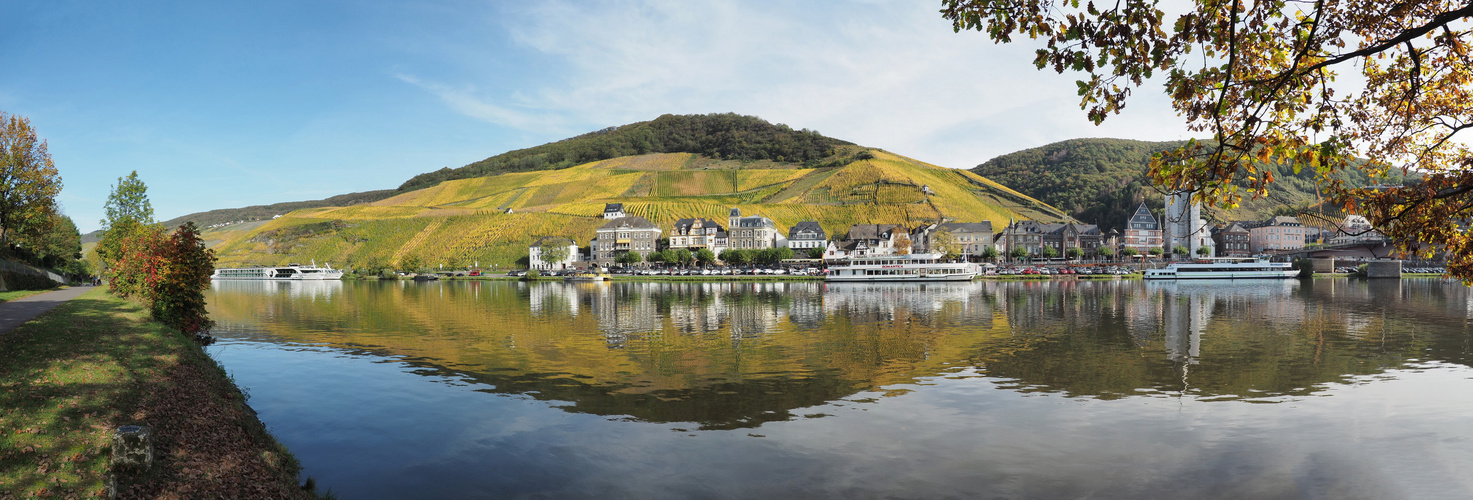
x,y
705,256
736,256
943,242
29,181
1018,253
57,247
411,262
555,250
1049,252
169,273
127,202
1156,251
1104,251
815,253
658,256
989,253
684,257
1263,78
1129,252
128,215
784,253
902,245
627,258
1204,251
1074,252
1180,250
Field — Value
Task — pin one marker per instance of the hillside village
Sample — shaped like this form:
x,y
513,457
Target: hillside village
x,y
628,240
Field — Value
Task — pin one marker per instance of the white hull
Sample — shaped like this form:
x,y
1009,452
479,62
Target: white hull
x,y
1224,275
283,273
1223,268
900,269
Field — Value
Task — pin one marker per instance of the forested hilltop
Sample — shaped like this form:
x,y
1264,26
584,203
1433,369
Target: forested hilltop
x,y
725,136
1101,181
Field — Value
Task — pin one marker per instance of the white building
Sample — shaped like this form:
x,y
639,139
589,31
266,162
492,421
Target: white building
x,y
805,235
1184,225
613,210
543,246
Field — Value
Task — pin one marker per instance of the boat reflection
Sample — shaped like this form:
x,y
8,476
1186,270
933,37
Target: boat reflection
x,y
734,354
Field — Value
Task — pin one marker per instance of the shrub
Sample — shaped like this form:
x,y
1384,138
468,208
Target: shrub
x,y
168,273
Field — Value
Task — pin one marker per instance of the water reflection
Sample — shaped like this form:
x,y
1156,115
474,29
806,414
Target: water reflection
x,y
1110,389
725,355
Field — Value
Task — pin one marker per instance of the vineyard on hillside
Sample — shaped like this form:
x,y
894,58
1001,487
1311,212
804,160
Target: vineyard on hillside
x,y
492,220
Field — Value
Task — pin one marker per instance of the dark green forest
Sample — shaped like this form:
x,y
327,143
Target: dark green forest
x,y
726,136
1101,181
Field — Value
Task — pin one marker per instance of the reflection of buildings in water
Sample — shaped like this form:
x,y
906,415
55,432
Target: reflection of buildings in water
x,y
1186,308
313,289
883,299
806,306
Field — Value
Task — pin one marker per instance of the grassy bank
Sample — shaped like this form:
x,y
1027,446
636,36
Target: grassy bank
x,y
70,376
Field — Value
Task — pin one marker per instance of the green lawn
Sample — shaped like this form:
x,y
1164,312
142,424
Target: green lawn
x,y
70,376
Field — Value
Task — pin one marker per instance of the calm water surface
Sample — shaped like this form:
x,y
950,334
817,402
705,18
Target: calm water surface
x,y
1062,389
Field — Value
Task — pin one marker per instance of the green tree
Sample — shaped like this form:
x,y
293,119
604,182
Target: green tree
x,y
815,253
1104,251
411,263
57,247
128,215
1204,251
943,242
127,202
1264,80
684,257
627,258
1156,251
1018,253
1129,252
555,250
1179,250
1049,252
781,254
29,181
658,256
1074,252
736,256
989,253
704,256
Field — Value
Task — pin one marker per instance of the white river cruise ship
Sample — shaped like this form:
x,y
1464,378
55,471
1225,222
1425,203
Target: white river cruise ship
x,y
1224,268
908,268
289,272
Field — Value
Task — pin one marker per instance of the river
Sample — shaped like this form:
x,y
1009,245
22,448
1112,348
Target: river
x,y
1330,388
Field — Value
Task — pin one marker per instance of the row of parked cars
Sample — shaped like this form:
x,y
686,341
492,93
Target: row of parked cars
x,y
1043,270
728,271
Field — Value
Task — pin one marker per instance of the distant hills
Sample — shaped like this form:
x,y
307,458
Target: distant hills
x,y
1102,181
673,167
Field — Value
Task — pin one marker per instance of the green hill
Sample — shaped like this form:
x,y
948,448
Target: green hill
x,y
491,218
726,136
1103,180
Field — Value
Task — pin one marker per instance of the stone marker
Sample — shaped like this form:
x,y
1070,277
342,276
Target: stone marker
x,y
133,446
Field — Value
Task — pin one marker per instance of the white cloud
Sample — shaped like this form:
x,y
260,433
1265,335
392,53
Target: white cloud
x,y
883,74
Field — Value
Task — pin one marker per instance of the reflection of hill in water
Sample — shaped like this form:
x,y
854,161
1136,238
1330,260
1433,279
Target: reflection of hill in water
x,y
737,354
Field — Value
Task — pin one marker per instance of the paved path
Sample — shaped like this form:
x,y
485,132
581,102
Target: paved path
x,y
18,311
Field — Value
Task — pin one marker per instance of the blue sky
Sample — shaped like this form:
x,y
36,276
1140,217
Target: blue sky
x,y
222,105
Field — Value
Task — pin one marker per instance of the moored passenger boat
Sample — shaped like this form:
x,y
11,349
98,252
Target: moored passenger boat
x,y
289,272
907,268
1224,268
